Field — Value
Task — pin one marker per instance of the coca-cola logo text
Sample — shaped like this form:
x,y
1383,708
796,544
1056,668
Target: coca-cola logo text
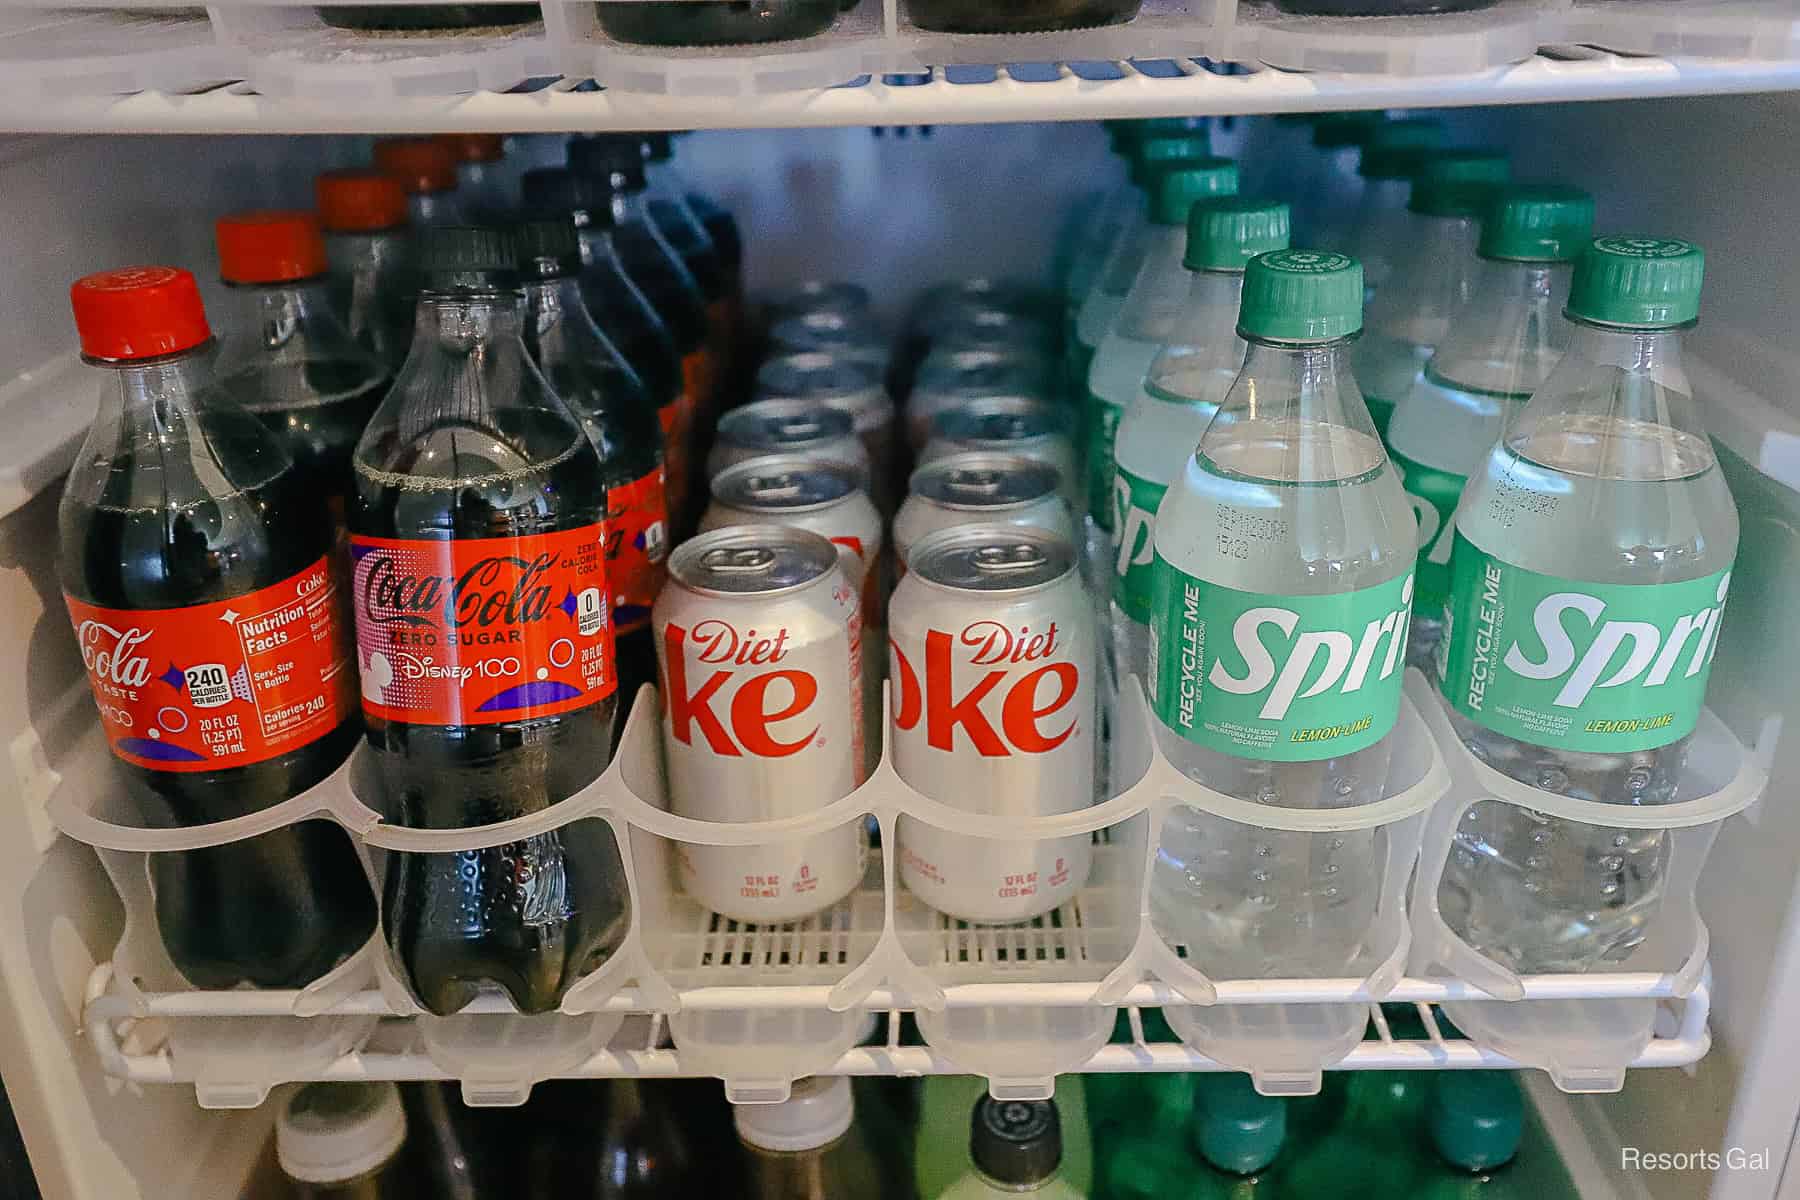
x,y
111,655
747,726
1023,716
499,589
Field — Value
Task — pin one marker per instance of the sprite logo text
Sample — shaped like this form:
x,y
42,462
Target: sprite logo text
x,y
1283,678
1574,665
1135,501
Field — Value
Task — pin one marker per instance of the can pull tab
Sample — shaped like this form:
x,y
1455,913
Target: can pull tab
x,y
975,481
767,488
1015,556
739,560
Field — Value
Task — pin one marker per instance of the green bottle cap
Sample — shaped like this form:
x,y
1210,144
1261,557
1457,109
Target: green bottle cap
x,y
1301,296
1226,232
1544,222
1181,183
1148,155
1395,148
1237,1129
1646,283
1457,183
1334,131
1477,1118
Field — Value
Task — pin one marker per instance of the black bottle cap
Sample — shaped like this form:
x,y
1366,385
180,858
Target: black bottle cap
x,y
466,258
1016,1142
587,198
547,245
609,156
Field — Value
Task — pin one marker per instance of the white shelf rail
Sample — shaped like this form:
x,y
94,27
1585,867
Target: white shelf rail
x,y
941,97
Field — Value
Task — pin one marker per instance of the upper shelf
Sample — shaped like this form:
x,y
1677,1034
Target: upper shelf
x,y
952,95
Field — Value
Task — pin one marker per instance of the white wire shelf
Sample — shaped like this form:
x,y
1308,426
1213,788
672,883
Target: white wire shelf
x,y
1043,92
640,1048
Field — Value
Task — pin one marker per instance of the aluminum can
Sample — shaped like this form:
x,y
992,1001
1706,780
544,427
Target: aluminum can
x,y
1010,425
991,650
976,488
849,385
951,379
786,425
849,335
822,295
759,652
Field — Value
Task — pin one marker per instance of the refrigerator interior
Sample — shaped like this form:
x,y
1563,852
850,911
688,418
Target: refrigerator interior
x,y
896,210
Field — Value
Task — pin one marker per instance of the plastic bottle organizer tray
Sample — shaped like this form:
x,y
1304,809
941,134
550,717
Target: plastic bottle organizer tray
x,y
762,1005
287,49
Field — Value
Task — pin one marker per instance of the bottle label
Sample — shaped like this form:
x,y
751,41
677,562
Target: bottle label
x,y
483,630
1135,500
220,685
1280,678
1102,421
1589,667
637,543
1433,495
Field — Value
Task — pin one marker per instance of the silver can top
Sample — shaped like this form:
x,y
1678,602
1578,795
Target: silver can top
x,y
985,372
820,375
995,422
785,483
947,302
785,423
982,481
845,333
823,295
751,560
991,558
982,325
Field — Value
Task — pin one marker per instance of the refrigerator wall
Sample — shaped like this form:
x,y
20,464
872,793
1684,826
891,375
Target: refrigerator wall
x,y
896,210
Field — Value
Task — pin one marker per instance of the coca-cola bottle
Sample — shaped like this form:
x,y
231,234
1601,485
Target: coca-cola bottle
x,y
285,356
485,640
593,379
195,563
651,262
363,214
622,311
426,168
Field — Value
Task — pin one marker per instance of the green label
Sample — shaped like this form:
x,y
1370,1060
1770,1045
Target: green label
x,y
1282,678
1135,500
1102,428
1433,495
1591,667
1381,412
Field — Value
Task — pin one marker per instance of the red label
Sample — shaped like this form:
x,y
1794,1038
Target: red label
x,y
220,685
637,542
677,421
483,630
1030,703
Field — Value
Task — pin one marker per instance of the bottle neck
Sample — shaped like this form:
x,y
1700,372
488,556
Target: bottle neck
x,y
1160,291
1294,415
1434,277
627,204
557,322
1654,352
1203,352
461,322
1511,334
1018,1189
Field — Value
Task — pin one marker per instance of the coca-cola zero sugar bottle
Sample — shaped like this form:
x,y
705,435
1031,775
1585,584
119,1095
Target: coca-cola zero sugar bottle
x,y
484,634
196,566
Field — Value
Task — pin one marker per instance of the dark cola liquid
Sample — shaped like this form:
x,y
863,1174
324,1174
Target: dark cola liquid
x,y
665,282
534,916
722,228
318,410
278,910
624,314
686,238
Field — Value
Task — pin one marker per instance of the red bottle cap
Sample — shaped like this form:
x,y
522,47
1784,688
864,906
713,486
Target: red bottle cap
x,y
269,247
474,147
138,312
422,164
359,200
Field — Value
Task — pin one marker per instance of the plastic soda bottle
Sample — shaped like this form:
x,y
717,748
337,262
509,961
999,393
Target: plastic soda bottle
x,y
1498,350
1593,553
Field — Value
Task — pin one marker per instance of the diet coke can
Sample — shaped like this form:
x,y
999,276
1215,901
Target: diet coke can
x,y
991,650
978,488
849,385
1009,425
952,378
786,425
759,649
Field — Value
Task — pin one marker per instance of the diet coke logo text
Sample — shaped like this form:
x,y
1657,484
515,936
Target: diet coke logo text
x,y
755,702
500,589
110,655
1027,723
